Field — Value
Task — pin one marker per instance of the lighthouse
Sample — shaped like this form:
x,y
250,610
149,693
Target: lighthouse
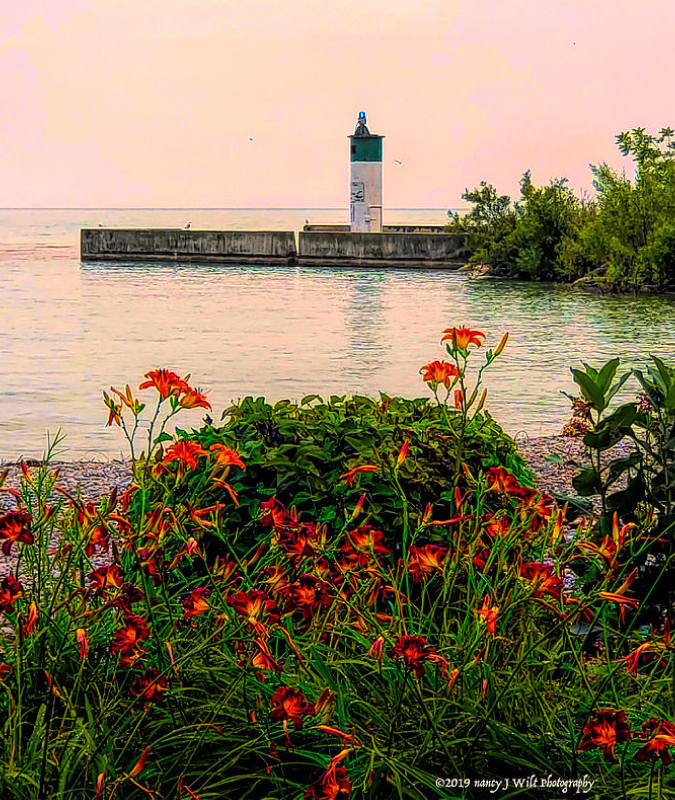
x,y
365,187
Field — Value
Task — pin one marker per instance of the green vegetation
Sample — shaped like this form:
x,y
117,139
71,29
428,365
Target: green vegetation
x,y
623,241
340,600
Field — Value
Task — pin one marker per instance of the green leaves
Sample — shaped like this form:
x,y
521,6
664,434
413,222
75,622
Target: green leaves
x,y
598,386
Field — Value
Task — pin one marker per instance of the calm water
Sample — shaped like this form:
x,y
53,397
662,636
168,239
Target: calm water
x,y
69,330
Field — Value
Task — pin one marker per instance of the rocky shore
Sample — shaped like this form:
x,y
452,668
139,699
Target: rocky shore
x,y
553,459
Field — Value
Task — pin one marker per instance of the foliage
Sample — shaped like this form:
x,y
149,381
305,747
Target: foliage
x,y
624,240
366,652
530,238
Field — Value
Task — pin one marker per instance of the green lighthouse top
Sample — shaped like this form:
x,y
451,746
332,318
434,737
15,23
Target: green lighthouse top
x,y
365,146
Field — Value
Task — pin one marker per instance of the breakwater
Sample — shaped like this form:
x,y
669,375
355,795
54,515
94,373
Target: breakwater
x,y
404,246
171,244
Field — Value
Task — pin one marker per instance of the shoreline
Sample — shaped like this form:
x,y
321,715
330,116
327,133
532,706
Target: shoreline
x,y
94,479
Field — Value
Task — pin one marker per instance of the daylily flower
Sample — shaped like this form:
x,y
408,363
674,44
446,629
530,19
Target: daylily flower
x,y
461,338
350,475
10,592
193,398
290,704
129,595
403,452
333,785
149,688
498,527
185,452
81,637
105,578
226,457
362,543
606,729
128,399
272,512
28,626
195,604
544,581
423,562
307,594
15,527
661,735
255,606
490,615
5,669
166,382
359,506
127,640
140,764
263,659
375,650
438,372
114,410
500,480
415,651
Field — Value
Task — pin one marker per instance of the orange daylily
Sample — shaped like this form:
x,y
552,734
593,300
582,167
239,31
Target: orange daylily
x,y
10,591
114,410
81,637
349,476
461,338
15,527
128,399
403,452
607,729
438,372
226,457
149,688
415,651
165,381
193,398
375,650
490,615
423,562
105,578
195,604
185,452
661,736
29,625
290,704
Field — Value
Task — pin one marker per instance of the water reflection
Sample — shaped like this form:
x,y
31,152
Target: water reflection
x,y
70,330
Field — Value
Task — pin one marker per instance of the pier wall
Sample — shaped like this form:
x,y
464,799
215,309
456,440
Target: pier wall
x,y
382,249
176,244
413,248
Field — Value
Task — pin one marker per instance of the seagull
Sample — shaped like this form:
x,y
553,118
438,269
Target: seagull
x,y
250,138
187,227
306,222
398,162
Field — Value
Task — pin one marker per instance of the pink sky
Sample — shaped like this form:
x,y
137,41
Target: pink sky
x,y
148,103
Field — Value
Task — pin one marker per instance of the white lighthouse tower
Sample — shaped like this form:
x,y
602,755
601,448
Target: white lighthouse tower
x,y
365,189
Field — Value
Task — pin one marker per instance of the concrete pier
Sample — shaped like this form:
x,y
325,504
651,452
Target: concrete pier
x,y
408,246
176,244
426,250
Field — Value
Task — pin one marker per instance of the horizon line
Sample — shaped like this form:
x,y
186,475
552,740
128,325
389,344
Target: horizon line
x,y
213,208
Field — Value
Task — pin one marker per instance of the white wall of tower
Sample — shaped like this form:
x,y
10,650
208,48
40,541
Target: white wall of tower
x,y
366,196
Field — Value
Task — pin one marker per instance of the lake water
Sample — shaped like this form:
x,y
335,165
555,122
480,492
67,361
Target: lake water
x,y
69,330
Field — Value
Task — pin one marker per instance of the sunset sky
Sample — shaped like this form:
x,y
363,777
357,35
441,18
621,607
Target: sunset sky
x,y
147,103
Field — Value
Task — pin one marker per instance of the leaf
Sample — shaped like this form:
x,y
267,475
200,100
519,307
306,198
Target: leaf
x,y
606,374
664,371
587,482
309,398
610,394
163,437
589,389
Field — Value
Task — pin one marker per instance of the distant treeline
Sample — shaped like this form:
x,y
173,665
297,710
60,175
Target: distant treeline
x,y
624,240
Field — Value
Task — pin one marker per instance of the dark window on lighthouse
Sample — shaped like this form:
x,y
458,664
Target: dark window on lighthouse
x,y
353,149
